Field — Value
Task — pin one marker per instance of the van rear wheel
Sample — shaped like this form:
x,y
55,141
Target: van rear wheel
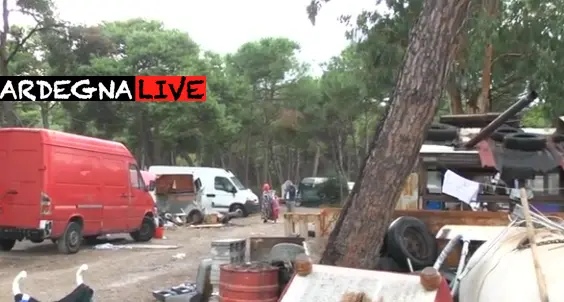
x,y
7,244
71,240
145,232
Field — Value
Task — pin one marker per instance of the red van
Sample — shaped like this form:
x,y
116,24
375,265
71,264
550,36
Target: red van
x,y
69,188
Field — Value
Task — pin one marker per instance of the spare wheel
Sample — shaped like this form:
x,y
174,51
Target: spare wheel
x,y
409,238
441,132
499,134
524,141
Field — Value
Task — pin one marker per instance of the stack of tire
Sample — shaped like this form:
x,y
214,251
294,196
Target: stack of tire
x,y
516,139
442,133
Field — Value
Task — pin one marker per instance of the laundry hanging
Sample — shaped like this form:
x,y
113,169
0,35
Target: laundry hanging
x,y
461,188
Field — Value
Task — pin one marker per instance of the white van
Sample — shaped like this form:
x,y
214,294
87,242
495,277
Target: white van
x,y
221,190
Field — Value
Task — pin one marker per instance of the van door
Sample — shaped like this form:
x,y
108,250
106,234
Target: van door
x,y
136,207
223,195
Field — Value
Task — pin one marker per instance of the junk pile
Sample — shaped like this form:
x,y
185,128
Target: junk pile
x,y
178,202
81,293
281,270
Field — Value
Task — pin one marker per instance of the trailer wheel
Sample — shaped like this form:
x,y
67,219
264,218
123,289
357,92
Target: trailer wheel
x,y
7,244
146,231
71,240
409,238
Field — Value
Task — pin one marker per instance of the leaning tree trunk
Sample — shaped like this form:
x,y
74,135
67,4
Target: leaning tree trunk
x,y
357,237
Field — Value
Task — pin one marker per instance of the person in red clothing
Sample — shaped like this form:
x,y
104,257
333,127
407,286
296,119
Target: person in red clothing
x,y
269,204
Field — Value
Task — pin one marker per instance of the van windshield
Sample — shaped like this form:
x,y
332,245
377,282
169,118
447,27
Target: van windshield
x,y
237,183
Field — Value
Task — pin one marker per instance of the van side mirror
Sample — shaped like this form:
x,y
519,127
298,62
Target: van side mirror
x,y
233,190
152,185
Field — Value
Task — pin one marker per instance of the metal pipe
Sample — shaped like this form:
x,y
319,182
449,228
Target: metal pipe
x,y
521,104
461,264
446,251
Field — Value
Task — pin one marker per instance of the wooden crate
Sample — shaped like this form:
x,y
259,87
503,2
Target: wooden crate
x,y
211,219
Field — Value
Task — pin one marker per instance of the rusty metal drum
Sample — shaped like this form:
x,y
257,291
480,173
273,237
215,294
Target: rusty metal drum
x,y
251,282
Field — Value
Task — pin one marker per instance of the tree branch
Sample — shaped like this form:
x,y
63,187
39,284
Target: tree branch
x,y
508,54
5,15
21,43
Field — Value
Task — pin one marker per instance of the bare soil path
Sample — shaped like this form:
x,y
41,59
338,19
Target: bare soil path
x,y
120,275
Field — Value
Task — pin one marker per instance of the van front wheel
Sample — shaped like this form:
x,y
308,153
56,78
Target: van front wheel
x,y
71,240
7,244
145,232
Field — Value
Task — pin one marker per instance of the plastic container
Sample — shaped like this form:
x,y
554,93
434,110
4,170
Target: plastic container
x,y
159,232
303,265
433,205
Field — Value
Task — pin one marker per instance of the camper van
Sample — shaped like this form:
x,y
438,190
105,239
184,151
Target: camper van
x,y
221,190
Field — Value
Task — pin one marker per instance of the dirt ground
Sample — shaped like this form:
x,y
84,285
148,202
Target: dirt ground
x,y
120,275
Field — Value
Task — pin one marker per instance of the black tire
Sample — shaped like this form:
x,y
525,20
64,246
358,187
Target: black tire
x,y
524,141
441,132
7,244
499,134
146,230
71,240
195,217
36,240
408,237
558,138
240,207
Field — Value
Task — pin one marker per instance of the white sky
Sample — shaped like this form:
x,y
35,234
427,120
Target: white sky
x,y
223,25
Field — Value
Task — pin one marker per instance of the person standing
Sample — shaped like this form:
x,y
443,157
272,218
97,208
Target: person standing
x,y
290,193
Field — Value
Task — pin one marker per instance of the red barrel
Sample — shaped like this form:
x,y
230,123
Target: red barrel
x,y
253,282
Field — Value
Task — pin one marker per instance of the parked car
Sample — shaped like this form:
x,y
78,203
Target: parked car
x,y
314,191
221,189
67,188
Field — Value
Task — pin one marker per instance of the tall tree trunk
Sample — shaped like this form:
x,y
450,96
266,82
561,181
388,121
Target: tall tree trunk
x,y
296,177
484,101
44,112
247,158
357,237
455,97
316,161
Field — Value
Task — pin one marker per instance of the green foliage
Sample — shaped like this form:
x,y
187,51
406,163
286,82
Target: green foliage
x,y
265,117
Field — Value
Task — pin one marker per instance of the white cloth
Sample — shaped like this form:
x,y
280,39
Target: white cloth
x,y
461,188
